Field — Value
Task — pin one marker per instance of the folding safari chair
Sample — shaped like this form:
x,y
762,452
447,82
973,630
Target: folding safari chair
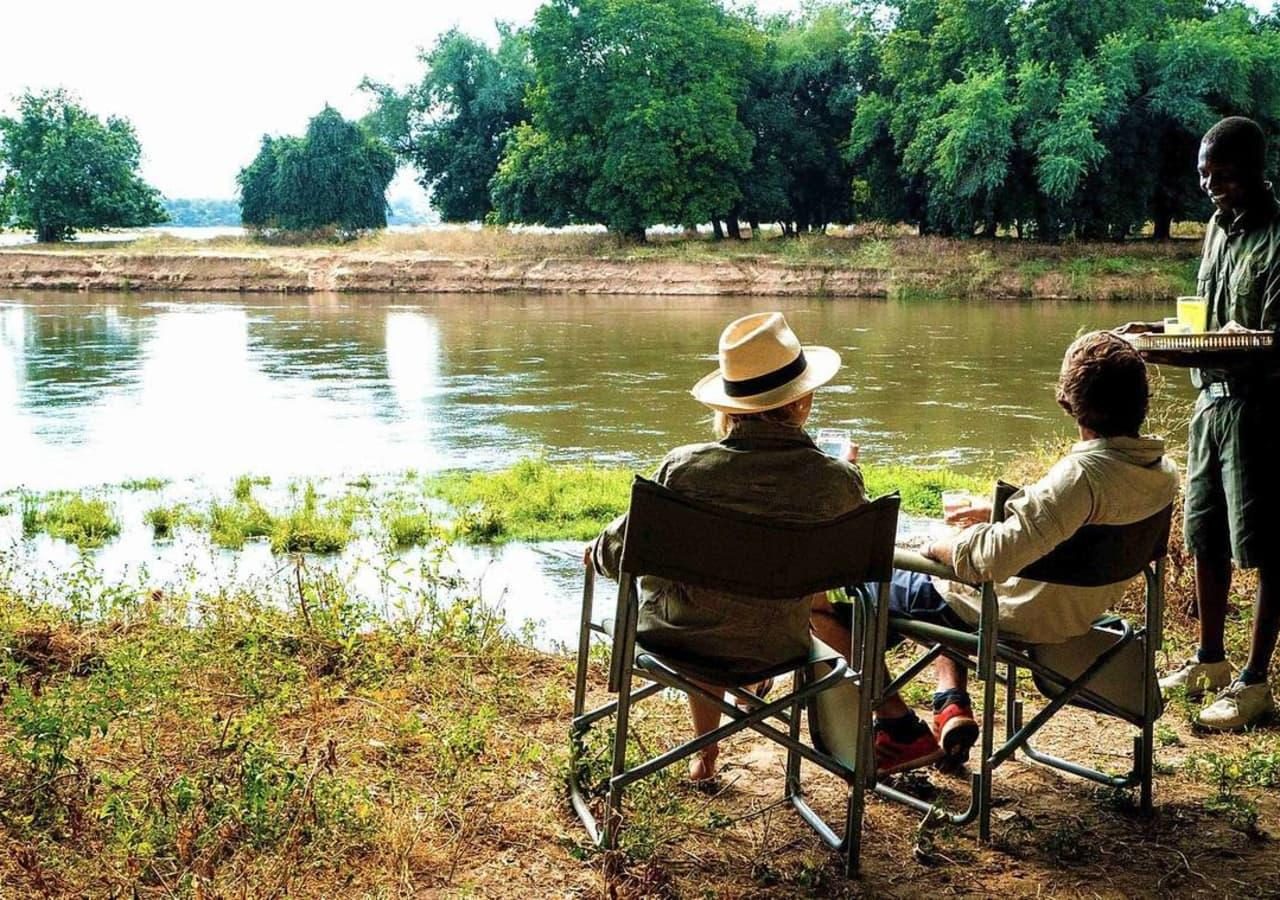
x,y
1110,669
676,538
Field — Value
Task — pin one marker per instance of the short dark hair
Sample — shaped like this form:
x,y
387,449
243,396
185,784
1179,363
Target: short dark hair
x,y
1103,385
1239,141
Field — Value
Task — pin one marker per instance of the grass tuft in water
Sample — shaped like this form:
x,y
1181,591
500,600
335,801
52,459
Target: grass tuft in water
x,y
87,522
144,484
309,529
165,520
406,528
244,518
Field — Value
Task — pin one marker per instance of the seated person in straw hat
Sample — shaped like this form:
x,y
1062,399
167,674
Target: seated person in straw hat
x,y
1112,476
763,463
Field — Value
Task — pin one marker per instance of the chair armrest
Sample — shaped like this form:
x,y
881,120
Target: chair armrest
x,y
911,561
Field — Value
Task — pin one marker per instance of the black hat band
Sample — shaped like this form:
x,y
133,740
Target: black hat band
x,y
749,387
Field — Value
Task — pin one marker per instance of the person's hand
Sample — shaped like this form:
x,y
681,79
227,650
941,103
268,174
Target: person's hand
x,y
852,453
1234,327
974,514
1139,328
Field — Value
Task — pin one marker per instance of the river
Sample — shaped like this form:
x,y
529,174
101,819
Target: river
x,y
197,389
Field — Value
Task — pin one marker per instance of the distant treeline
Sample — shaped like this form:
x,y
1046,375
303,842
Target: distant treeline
x,y
1044,118
202,213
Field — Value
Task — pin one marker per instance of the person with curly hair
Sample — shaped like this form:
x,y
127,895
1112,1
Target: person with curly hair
x,y
1111,476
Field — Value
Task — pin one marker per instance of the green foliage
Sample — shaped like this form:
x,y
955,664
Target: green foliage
x,y
1052,117
308,529
87,522
62,169
534,500
452,126
165,520
144,484
202,213
231,524
335,176
409,528
638,103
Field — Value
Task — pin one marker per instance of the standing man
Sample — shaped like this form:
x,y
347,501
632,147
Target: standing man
x,y
1233,482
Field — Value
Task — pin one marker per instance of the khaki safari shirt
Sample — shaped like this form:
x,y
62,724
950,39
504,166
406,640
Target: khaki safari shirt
x,y
763,468
1106,481
1240,277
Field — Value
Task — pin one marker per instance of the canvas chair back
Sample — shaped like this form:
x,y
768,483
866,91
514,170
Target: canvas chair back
x,y
696,544
1093,556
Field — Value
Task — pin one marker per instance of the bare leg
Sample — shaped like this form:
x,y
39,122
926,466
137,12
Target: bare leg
x,y
1266,620
706,717
1213,581
950,674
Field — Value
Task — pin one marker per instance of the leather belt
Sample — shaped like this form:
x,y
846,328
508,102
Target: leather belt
x,y
1238,390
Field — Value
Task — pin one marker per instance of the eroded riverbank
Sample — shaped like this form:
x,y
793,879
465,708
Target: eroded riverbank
x,y
896,268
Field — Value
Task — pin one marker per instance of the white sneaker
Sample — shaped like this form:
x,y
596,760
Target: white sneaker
x,y
1198,677
1239,705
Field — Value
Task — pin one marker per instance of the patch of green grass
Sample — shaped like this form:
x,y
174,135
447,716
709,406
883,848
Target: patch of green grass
x,y
534,500
165,520
244,518
242,490
407,528
144,484
84,521
921,489
309,529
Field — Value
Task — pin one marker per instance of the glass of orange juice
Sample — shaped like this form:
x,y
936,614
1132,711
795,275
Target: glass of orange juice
x,y
1194,311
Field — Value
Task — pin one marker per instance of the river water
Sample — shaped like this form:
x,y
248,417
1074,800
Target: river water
x,y
99,388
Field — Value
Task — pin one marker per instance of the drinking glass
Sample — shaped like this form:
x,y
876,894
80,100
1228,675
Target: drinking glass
x,y
1194,311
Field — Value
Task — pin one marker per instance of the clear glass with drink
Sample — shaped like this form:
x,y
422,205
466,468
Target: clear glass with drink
x,y
953,502
833,442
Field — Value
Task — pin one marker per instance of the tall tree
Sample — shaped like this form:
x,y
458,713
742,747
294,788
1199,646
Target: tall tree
x,y
62,169
638,101
453,125
336,175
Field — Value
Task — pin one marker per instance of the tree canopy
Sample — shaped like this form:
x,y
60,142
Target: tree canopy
x,y
1046,118
334,176
62,169
452,126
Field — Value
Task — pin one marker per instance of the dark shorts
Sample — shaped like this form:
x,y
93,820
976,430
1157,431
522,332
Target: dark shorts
x,y
912,596
1232,500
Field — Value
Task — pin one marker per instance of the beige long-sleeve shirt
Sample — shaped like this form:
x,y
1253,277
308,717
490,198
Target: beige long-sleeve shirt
x,y
1106,481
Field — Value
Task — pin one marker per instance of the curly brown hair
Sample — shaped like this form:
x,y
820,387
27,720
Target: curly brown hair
x,y
1103,385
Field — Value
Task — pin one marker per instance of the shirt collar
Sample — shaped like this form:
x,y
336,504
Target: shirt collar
x,y
754,432
1253,217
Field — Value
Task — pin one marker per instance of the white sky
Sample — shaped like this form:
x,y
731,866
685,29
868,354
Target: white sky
x,y
202,82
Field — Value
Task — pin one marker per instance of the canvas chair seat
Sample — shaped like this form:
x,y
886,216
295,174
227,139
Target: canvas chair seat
x,y
683,540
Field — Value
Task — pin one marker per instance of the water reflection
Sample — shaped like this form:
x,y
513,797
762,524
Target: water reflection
x,y
98,388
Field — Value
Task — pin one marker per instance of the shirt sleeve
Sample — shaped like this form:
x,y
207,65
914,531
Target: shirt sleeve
x,y
606,550
1037,518
1270,313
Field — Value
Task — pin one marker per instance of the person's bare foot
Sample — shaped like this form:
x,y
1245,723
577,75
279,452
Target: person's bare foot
x,y
702,766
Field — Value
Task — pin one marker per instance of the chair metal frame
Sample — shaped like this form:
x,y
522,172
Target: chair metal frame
x,y
983,650
656,543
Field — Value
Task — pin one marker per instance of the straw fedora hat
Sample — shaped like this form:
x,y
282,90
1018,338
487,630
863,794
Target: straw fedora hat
x,y
763,366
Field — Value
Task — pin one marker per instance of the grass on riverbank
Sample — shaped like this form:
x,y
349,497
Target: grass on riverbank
x,y
536,500
280,739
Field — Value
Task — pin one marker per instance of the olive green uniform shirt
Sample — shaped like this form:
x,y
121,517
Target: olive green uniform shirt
x,y
762,468
1240,277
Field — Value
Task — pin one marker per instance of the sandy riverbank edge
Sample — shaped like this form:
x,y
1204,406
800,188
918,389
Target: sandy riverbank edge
x,y
307,271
